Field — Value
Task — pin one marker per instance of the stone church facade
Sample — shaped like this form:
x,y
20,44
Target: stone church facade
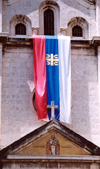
x,y
19,20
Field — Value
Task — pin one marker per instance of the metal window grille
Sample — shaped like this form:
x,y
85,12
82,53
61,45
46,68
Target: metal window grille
x,y
77,31
48,22
20,29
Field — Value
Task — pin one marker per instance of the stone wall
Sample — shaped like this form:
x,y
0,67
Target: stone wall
x,y
49,165
46,165
18,83
68,10
85,93
18,78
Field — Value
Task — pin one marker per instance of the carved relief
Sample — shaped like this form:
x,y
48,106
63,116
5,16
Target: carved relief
x,y
47,2
53,146
50,2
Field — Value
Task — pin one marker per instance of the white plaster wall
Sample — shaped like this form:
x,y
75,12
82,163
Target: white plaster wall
x,y
68,10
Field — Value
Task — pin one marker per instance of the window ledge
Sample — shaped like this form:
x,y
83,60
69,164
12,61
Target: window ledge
x,y
77,38
21,36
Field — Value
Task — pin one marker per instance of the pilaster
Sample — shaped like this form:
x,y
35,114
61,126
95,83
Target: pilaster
x,y
99,70
0,86
0,15
98,16
94,166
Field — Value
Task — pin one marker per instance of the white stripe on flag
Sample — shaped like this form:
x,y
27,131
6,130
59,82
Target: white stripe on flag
x,y
64,78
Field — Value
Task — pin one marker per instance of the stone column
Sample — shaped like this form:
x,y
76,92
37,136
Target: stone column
x,y
0,15
94,166
0,86
99,71
98,16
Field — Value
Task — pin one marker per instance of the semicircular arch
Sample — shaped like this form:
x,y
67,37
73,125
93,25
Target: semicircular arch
x,y
55,8
23,19
78,21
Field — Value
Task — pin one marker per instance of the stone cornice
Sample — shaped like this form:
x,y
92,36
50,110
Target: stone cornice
x,y
95,41
91,1
7,40
25,41
51,158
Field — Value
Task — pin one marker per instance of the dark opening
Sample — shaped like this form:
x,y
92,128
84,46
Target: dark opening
x,y
48,22
77,31
34,102
20,29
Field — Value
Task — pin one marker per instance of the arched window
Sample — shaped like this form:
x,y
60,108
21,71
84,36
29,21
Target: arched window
x,y
77,31
20,29
48,22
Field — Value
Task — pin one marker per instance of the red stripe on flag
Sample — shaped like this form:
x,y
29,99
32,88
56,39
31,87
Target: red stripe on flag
x,y
40,76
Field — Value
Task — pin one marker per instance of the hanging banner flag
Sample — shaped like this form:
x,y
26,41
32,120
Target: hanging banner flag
x,y
40,76
52,73
65,78
52,76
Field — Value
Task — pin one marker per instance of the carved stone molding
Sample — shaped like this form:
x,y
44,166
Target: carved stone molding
x,y
55,8
16,19
48,2
79,21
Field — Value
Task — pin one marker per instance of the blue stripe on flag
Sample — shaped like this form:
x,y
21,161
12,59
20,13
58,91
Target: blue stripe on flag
x,y
52,70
